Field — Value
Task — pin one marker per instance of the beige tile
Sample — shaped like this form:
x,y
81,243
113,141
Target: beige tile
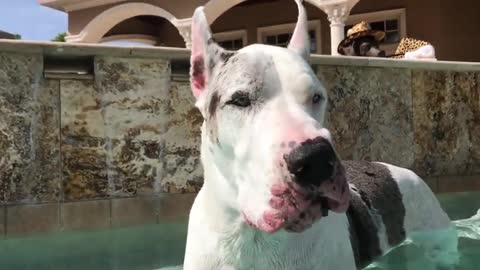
x,y
84,161
368,124
31,219
86,215
175,206
81,114
134,211
29,137
459,183
432,182
446,122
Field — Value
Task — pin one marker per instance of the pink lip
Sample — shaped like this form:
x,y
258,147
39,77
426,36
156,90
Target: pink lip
x,y
270,222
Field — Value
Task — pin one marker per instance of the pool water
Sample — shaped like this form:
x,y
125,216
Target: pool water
x,y
136,248
156,246
462,208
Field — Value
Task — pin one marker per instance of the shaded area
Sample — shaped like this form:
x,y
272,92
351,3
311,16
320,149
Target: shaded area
x,y
154,246
143,247
165,33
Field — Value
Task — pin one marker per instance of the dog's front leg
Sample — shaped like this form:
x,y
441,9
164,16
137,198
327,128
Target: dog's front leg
x,y
201,251
202,263
197,259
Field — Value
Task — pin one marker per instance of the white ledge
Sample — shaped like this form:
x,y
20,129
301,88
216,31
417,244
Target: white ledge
x,y
90,49
393,63
76,49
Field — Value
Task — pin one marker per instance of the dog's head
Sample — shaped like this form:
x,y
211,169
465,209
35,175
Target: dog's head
x,y
364,46
263,134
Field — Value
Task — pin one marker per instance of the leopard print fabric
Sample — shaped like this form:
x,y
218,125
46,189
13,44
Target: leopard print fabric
x,y
408,45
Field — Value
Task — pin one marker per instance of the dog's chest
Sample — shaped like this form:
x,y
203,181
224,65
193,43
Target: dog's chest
x,y
255,250
316,249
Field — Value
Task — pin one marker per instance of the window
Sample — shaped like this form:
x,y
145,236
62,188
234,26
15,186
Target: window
x,y
232,44
392,22
279,35
283,39
232,40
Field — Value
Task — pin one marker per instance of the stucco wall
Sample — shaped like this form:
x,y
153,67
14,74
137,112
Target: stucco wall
x,y
132,131
451,26
180,9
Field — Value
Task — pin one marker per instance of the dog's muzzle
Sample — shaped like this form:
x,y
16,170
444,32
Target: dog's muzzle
x,y
312,163
317,185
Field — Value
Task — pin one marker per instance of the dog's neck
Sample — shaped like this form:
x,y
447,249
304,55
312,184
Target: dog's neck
x,y
216,183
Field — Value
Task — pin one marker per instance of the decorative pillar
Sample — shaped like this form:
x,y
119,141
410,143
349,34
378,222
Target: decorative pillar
x,y
337,12
184,27
337,15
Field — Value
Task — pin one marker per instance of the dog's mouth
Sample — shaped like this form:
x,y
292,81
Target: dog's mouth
x,y
296,208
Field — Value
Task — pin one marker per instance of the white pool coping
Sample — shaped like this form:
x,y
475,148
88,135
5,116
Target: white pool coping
x,y
82,49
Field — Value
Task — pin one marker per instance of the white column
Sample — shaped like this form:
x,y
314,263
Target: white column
x,y
337,16
337,12
184,27
186,34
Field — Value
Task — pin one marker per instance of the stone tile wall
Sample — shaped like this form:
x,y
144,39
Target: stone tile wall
x,y
425,120
113,150
29,131
29,219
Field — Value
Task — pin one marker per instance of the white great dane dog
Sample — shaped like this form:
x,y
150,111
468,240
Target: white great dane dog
x,y
276,196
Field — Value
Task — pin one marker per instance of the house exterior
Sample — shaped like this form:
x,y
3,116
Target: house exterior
x,y
450,26
6,35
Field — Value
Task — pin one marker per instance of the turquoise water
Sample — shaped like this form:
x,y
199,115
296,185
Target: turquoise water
x,y
461,207
156,246
137,248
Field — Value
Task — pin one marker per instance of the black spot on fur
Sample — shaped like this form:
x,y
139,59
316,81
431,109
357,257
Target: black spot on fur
x,y
363,233
226,55
211,65
212,125
212,107
377,195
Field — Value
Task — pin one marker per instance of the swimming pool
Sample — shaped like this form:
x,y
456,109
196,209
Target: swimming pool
x,y
155,246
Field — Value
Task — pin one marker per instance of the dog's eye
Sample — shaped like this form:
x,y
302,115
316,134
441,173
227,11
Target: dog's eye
x,y
317,98
240,99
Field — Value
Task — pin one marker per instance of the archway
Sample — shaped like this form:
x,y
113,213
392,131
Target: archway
x,y
105,21
145,30
215,8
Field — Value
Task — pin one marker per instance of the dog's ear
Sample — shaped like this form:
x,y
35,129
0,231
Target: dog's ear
x,y
204,53
201,35
300,41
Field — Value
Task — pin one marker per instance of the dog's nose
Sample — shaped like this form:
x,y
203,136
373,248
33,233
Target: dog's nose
x,y
382,54
312,162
